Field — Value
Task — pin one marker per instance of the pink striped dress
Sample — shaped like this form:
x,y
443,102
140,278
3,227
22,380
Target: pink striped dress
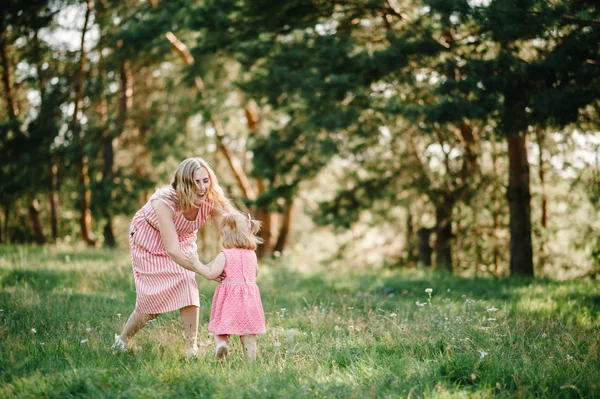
x,y
236,306
162,285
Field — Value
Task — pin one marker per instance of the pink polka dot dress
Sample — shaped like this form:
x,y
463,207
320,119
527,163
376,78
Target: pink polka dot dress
x,y
236,306
162,285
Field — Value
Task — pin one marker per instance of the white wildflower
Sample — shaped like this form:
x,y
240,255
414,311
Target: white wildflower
x,y
482,354
33,331
393,315
492,309
83,341
429,290
420,304
290,335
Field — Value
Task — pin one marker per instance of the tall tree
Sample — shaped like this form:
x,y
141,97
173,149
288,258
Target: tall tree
x,y
81,158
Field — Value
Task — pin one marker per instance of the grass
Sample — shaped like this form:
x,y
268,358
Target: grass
x,y
332,333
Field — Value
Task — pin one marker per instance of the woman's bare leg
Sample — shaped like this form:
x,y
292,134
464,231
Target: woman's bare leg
x,y
221,348
189,316
249,344
134,324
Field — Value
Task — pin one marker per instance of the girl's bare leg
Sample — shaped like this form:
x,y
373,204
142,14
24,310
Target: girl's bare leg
x,y
189,316
249,344
221,347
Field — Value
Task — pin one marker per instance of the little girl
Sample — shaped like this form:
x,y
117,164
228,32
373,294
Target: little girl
x,y
236,306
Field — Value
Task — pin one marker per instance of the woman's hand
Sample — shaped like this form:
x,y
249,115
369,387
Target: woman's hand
x,y
220,277
192,257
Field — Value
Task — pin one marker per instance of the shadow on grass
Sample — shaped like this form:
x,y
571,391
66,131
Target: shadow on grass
x,y
49,280
41,280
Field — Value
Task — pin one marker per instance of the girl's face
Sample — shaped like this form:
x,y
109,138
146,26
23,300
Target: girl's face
x,y
202,181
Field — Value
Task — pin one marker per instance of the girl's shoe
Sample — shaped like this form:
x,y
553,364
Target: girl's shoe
x,y
119,345
221,351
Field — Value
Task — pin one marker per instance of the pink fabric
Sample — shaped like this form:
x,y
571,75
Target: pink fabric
x,y
236,306
162,285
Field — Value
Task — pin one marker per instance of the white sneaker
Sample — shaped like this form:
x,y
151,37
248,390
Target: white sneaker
x,y
192,353
119,345
221,351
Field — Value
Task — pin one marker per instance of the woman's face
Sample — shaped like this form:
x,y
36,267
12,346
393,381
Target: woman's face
x,y
202,181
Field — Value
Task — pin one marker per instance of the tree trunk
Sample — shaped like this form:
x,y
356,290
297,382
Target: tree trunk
x,y
36,225
234,163
266,218
519,197
110,142
263,214
7,206
85,195
443,232
411,255
9,93
543,200
495,213
424,247
7,209
54,200
285,227
108,156
52,163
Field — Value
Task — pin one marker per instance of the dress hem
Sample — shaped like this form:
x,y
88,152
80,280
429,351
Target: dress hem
x,y
169,309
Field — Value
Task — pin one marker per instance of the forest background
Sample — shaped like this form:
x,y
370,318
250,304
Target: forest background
x,y
452,133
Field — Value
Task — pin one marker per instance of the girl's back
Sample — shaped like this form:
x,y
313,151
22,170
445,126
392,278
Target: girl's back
x,y
241,266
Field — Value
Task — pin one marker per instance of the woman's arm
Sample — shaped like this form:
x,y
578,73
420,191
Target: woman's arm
x,y
166,227
211,270
217,216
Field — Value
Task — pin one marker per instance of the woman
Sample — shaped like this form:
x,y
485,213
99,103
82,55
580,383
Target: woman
x,y
164,254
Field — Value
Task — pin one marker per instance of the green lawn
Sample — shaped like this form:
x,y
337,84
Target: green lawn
x,y
332,333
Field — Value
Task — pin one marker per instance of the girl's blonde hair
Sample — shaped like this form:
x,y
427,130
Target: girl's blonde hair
x,y
239,231
184,184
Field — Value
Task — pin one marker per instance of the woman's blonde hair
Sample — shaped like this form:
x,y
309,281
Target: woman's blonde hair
x,y
184,184
239,231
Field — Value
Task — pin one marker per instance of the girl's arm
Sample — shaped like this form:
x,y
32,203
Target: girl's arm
x,y
211,270
170,240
